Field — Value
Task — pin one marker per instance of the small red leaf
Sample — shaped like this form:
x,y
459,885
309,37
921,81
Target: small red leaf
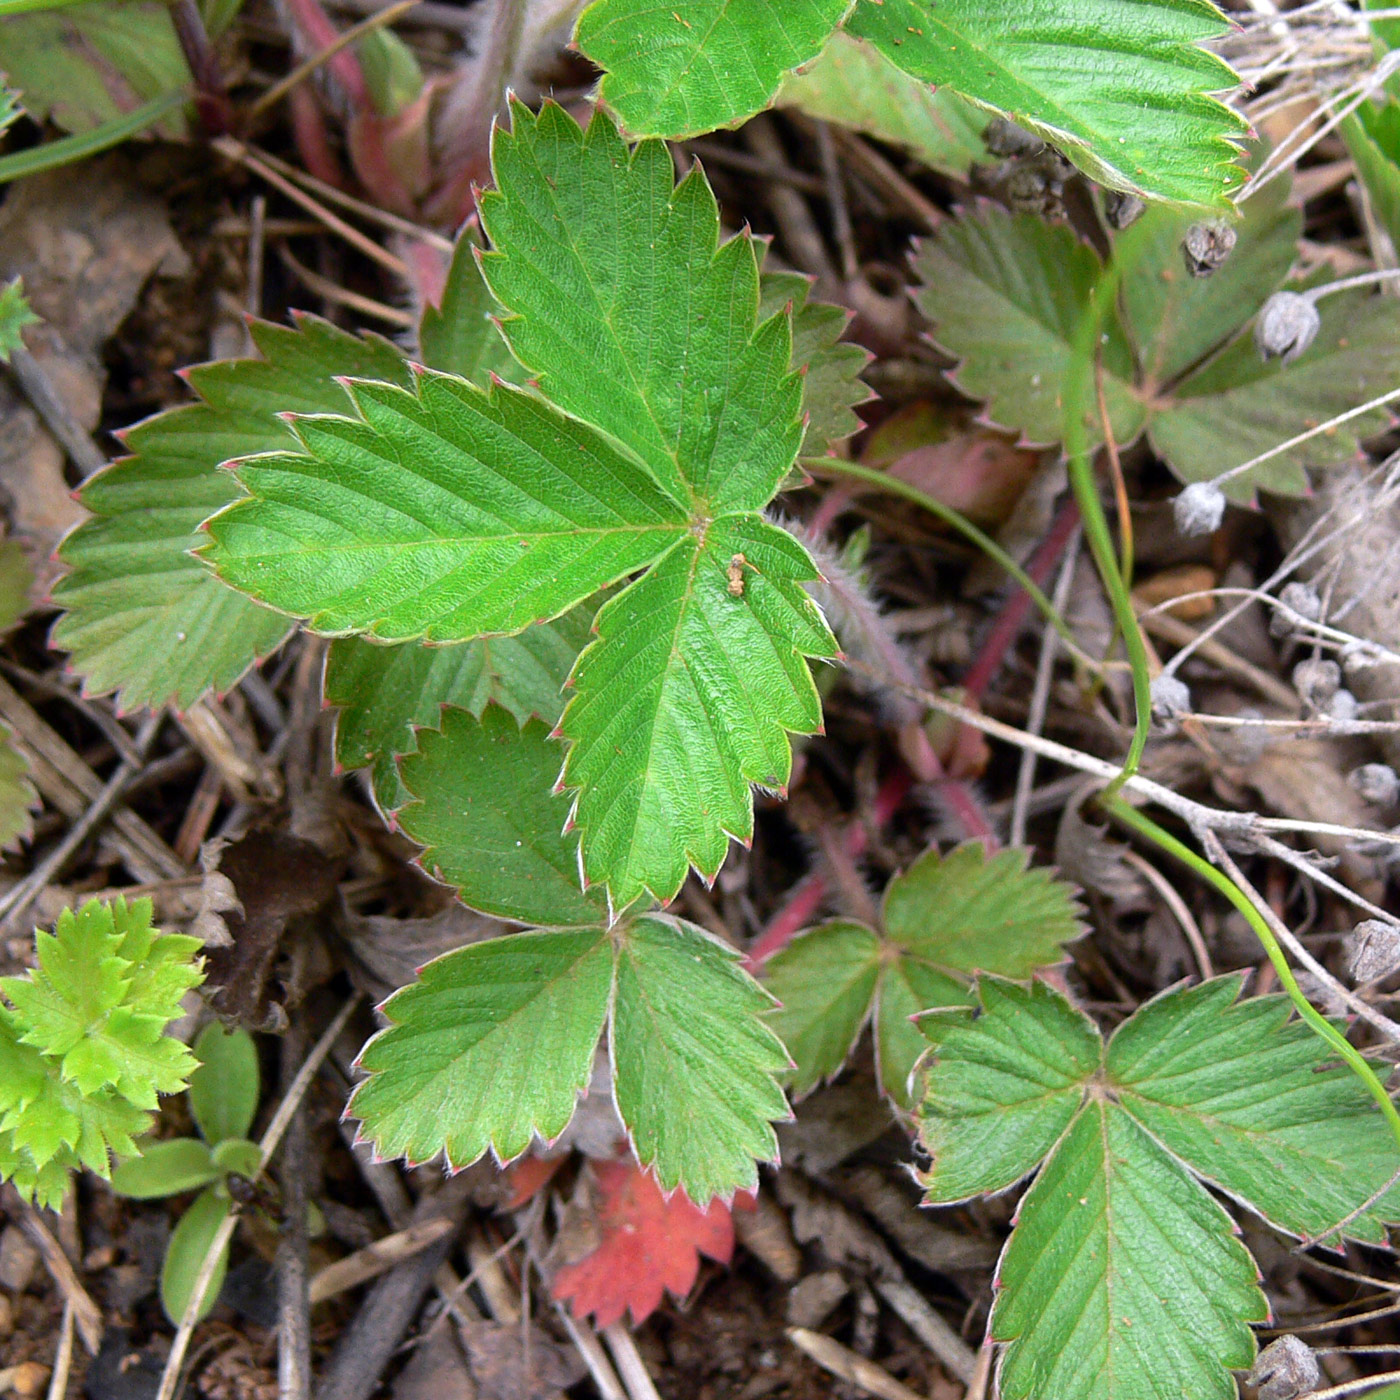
x,y
647,1244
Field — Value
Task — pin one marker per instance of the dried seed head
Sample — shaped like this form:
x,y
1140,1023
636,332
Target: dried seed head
x,y
1298,598
1286,326
1171,699
1199,509
1285,1370
1317,681
1343,707
1207,245
1376,782
1005,139
1373,950
1122,208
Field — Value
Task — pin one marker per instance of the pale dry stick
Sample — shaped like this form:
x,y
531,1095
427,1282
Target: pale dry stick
x,y
848,1365
952,1353
308,66
1336,1392
1178,633
1333,728
58,418
86,1314
594,1357
1220,857
630,1366
1189,927
63,1356
1269,847
237,152
982,1377
15,903
1040,692
344,296
371,1261
370,213
267,1145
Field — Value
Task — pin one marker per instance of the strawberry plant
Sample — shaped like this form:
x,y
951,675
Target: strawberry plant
x,y
83,1052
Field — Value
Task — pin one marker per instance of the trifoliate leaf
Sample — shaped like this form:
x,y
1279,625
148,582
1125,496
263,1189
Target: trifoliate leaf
x,y
1123,1278
853,83
488,1049
140,614
831,368
105,988
461,336
15,311
1003,1086
83,65
449,512
1258,1105
165,1169
385,693
943,919
694,1062
444,513
1122,87
225,1089
483,809
685,70
1005,293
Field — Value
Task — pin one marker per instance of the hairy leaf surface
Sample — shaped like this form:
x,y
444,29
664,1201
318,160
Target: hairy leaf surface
x,y
694,1063
1122,87
685,70
483,808
142,616
462,1067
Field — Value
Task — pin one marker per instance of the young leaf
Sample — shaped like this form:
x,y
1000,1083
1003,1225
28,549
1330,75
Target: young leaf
x,y
386,693
483,809
185,1254
165,1169
943,919
1123,1278
1257,1105
489,1048
1122,87
686,70
225,1089
831,368
693,1060
105,989
140,614
15,315
853,83
650,1245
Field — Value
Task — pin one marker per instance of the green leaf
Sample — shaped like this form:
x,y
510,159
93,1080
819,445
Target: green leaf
x,y
225,1089
824,982
1123,1278
10,109
16,579
92,63
484,811
165,1169
444,513
141,615
1372,136
489,1048
944,918
851,82
1122,87
831,368
1258,1105
18,798
15,314
385,693
105,989
685,70
1002,1086
238,1156
1005,293
461,336
685,699
694,1062
184,1256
